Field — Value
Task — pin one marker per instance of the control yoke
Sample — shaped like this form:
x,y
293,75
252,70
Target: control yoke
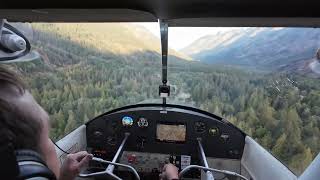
x,y
206,168
109,170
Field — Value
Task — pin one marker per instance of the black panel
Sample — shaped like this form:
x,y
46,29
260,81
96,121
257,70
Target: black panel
x,y
104,134
169,9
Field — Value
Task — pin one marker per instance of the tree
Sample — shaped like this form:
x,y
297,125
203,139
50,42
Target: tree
x,y
292,125
280,149
300,161
71,123
61,122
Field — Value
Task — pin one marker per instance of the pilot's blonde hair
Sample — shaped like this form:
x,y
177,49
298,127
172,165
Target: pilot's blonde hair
x,y
19,128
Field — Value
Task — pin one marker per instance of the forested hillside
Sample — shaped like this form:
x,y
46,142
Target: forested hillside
x,y
84,72
280,111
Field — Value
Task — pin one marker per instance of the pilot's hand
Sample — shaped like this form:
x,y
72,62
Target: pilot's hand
x,y
73,164
169,172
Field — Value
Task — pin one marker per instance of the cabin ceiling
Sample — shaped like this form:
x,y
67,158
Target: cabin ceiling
x,y
242,13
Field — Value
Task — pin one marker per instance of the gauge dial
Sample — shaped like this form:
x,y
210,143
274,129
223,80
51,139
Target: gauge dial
x,y
200,127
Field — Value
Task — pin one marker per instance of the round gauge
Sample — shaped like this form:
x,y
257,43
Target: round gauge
x,y
214,131
200,127
127,121
143,122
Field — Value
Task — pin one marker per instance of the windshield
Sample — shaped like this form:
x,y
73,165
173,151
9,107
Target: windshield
x,y
263,80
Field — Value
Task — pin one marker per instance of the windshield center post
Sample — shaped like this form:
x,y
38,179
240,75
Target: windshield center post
x,y
164,89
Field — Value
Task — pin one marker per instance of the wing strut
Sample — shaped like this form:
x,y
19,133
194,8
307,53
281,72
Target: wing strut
x,y
164,89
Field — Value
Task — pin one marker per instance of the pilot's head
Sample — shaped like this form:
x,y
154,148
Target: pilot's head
x,y
23,120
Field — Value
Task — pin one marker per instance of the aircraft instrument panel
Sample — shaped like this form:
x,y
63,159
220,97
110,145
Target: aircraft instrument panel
x,y
161,134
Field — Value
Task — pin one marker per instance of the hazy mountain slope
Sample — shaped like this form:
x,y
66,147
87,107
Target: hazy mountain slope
x,y
212,41
257,47
115,38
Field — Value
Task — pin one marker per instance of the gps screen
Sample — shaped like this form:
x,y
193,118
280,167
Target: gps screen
x,y
171,133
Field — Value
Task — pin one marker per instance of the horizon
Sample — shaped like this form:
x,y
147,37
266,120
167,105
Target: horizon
x,y
177,35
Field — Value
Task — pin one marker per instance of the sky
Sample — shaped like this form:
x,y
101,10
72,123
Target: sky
x,y
180,37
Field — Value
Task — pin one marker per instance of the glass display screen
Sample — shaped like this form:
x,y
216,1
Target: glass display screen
x,y
171,132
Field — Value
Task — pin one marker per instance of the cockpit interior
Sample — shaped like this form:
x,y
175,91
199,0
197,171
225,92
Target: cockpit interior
x,y
134,142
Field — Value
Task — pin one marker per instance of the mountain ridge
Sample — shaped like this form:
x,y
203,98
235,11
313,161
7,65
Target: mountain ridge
x,y
269,48
116,38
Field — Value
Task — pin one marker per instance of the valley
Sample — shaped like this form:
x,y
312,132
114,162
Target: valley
x,y
88,69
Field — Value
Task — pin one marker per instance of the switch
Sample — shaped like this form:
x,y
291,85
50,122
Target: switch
x,y
141,141
171,159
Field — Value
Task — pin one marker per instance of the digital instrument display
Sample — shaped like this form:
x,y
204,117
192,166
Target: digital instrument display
x,y
171,132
